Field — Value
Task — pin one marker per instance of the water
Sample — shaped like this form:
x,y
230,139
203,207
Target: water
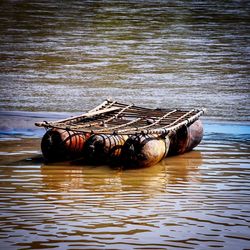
x,y
198,200
69,55
62,58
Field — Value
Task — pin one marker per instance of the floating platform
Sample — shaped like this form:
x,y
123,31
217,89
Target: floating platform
x,y
122,134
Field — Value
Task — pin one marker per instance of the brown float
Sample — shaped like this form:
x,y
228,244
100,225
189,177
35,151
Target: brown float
x,y
117,133
186,138
101,149
61,145
144,150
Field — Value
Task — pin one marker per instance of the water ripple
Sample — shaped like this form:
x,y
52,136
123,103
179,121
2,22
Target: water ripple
x,y
196,200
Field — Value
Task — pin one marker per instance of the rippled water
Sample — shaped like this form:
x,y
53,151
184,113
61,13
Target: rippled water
x,y
58,58
198,200
67,55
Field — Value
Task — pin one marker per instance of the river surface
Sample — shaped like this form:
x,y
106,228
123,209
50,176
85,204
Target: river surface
x,y
59,58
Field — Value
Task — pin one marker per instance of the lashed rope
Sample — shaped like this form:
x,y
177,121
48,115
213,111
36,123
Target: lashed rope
x,y
119,126
77,118
103,122
165,130
113,117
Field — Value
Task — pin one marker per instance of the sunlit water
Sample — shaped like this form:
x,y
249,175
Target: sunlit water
x,y
69,55
198,200
59,58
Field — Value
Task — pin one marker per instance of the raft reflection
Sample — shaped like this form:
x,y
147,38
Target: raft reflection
x,y
172,170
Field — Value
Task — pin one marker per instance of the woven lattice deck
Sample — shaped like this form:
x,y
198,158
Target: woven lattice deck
x,y
114,117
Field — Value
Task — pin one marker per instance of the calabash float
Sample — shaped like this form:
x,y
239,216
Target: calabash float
x,y
124,134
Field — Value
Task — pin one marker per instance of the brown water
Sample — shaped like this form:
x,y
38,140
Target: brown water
x,y
58,58
198,200
69,55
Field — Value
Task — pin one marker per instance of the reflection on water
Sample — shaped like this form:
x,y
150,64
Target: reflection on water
x,y
142,51
198,200
150,180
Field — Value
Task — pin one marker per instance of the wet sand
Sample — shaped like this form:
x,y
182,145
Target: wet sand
x,y
198,200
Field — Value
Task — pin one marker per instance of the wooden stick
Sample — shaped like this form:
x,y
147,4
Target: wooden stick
x,y
177,126
118,126
86,115
99,106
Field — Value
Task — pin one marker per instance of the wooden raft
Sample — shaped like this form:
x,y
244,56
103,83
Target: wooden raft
x,y
120,133
112,117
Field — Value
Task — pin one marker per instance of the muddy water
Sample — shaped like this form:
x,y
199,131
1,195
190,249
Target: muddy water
x,y
199,200
69,55
58,58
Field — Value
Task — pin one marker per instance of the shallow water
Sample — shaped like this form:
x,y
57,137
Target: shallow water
x,y
198,200
62,58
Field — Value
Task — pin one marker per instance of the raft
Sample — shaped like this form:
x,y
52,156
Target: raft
x,y
122,134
